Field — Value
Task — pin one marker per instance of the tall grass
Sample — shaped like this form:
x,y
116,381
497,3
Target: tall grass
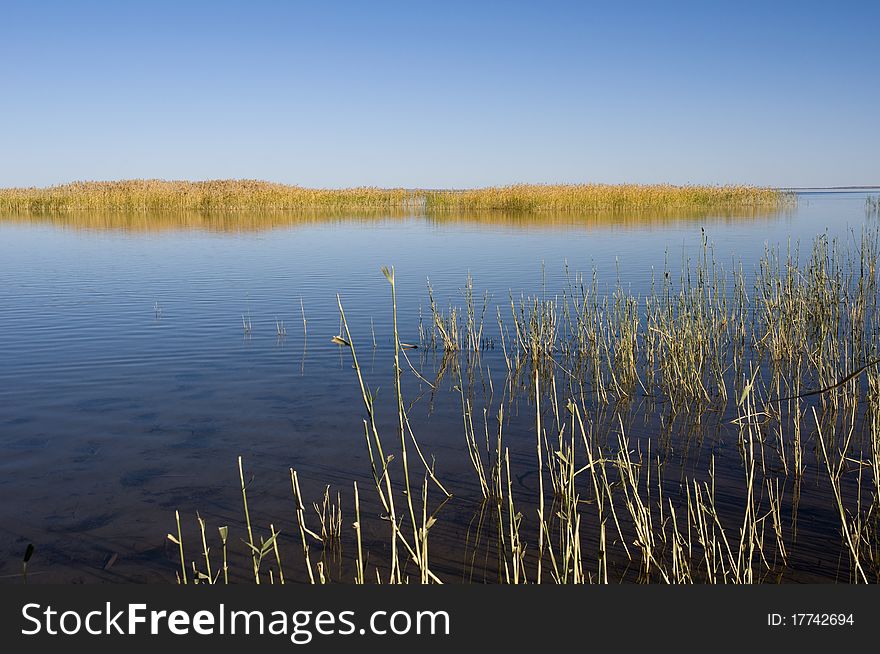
x,y
604,197
784,364
153,195
251,195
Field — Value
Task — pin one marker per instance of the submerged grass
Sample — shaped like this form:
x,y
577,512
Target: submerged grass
x,y
784,365
252,195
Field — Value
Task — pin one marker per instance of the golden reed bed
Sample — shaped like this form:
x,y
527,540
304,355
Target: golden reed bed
x,y
252,195
605,197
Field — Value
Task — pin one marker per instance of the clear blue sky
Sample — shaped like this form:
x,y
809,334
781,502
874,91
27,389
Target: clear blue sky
x,y
441,94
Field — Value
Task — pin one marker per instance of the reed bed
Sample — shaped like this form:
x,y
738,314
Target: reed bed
x,y
689,340
155,195
235,196
604,197
780,365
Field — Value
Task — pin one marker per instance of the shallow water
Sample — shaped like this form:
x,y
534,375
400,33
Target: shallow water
x,y
128,385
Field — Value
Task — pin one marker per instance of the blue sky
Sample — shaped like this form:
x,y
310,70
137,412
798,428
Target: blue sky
x,y
447,94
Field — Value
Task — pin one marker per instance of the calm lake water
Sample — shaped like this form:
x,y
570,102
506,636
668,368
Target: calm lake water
x,y
128,385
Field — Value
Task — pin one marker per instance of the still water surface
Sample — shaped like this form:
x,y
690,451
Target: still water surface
x,y
128,385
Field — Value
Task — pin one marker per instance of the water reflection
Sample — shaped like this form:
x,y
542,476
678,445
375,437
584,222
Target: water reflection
x,y
234,222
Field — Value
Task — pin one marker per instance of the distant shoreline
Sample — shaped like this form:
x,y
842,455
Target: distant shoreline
x,y
240,195
830,188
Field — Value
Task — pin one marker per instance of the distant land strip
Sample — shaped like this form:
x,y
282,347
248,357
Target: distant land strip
x,y
254,195
867,187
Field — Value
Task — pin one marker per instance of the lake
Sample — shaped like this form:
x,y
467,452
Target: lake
x,y
140,356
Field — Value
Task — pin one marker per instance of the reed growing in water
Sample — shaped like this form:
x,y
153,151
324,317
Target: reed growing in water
x,y
153,195
604,197
872,205
782,365
253,195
